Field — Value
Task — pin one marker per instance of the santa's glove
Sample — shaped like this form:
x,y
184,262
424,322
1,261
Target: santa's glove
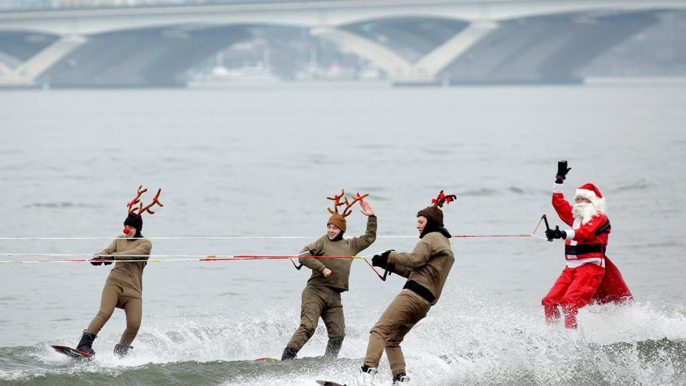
x,y
381,260
556,233
562,171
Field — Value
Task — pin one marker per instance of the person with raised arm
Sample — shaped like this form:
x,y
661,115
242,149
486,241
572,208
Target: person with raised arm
x,y
322,294
589,276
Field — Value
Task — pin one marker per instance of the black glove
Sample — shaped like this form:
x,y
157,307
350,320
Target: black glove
x,y
562,171
109,259
556,233
381,260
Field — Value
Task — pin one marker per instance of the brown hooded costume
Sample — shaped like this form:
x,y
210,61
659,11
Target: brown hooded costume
x,y
322,295
427,268
124,286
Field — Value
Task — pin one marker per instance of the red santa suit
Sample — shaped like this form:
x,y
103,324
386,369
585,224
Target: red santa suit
x,y
589,275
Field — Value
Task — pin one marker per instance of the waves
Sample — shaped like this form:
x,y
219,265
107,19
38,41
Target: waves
x,y
477,343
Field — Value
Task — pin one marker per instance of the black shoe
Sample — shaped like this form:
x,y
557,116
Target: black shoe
x,y
401,379
86,342
121,350
289,353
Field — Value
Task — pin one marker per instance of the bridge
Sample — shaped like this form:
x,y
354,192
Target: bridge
x,y
458,41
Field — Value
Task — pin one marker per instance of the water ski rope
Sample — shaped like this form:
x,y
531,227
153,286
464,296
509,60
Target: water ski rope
x,y
182,258
165,258
215,258
264,237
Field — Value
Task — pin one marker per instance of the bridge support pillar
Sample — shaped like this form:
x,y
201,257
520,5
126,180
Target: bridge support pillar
x,y
28,72
423,72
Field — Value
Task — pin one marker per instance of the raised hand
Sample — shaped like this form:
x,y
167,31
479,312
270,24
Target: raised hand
x,y
366,208
562,171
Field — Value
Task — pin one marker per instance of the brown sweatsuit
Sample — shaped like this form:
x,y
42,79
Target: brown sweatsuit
x,y
124,286
322,295
427,269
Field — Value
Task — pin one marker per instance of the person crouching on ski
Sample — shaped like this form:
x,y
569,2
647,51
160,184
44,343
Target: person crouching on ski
x,y
584,278
427,268
322,294
124,285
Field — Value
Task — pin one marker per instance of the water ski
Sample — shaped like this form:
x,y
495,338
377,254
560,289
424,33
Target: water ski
x,y
329,383
71,352
266,359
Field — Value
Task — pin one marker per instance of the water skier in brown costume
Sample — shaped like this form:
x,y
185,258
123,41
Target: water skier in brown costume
x,y
427,268
322,295
124,285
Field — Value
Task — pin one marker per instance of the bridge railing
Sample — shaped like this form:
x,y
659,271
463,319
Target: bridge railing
x,y
19,5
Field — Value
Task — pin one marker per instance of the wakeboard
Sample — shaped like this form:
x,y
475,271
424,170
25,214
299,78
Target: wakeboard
x,y
267,359
72,352
329,383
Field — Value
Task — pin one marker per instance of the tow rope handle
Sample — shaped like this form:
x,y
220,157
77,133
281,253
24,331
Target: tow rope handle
x,y
297,266
547,227
382,277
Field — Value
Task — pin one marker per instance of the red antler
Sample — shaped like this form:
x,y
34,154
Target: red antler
x,y
337,202
443,198
155,200
132,204
349,205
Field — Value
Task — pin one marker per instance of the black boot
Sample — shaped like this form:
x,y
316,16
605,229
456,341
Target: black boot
x,y
333,347
120,350
401,379
289,353
86,342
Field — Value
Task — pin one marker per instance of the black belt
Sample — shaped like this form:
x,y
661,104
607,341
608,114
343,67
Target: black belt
x,y
420,290
584,249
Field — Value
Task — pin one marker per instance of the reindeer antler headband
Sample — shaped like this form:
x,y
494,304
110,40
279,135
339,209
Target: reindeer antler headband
x,y
348,205
142,209
443,198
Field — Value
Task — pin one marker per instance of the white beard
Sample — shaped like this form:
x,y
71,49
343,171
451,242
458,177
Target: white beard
x,y
584,211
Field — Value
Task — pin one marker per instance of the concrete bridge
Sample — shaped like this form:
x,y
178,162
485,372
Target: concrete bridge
x,y
459,41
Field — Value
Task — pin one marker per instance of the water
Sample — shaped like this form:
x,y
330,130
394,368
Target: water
x,y
260,162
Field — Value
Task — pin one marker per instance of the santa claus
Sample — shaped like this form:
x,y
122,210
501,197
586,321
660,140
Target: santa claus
x,y
589,275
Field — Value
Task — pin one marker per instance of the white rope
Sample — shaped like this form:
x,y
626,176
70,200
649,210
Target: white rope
x,y
92,255
190,238
161,258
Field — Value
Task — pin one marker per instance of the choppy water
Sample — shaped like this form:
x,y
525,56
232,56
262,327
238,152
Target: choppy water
x,y
260,162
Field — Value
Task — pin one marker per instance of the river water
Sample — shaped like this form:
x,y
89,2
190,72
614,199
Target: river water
x,y
260,162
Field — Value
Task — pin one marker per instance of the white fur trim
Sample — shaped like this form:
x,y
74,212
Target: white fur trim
x,y
574,263
558,188
587,194
570,234
598,203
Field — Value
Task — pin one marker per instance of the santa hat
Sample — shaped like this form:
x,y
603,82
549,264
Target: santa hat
x,y
592,194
